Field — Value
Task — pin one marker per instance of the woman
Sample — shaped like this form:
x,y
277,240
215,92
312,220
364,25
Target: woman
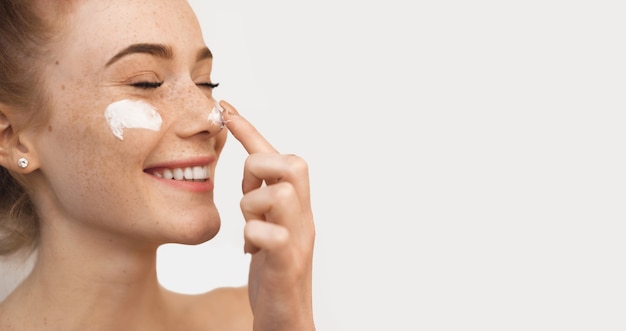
x,y
108,146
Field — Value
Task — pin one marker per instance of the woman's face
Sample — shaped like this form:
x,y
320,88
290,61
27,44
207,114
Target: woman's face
x,y
121,66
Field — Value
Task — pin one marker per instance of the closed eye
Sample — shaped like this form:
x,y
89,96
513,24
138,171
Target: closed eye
x,y
147,85
209,85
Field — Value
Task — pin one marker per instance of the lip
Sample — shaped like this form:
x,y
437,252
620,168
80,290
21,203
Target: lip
x,y
205,186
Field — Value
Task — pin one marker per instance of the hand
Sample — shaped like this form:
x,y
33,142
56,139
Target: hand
x,y
279,230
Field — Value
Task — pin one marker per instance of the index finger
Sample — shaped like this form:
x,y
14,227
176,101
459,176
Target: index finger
x,y
245,132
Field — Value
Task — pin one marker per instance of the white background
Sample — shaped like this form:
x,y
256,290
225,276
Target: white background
x,y
467,157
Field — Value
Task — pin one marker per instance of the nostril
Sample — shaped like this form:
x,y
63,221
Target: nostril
x,y
205,118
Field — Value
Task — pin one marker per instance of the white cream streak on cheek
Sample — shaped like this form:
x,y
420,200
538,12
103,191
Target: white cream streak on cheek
x,y
132,114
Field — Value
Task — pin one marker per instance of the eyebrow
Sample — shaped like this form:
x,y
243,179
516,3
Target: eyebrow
x,y
158,50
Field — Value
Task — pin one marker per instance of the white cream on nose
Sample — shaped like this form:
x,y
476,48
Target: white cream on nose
x,y
215,116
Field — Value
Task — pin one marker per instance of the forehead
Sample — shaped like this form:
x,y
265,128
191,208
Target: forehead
x,y
97,29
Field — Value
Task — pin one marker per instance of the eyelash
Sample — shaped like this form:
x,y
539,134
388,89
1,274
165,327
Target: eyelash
x,y
153,85
147,85
209,85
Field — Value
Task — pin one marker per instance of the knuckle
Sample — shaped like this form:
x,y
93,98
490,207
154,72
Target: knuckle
x,y
248,161
281,236
296,165
284,192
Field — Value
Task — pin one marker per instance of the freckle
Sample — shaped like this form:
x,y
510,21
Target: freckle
x,y
62,87
57,62
49,128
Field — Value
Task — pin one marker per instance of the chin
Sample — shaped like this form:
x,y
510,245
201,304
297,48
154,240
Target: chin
x,y
195,230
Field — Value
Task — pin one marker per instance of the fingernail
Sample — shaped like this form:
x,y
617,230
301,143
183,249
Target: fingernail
x,y
230,110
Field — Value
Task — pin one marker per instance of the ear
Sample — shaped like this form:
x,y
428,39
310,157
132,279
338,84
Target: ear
x,y
15,145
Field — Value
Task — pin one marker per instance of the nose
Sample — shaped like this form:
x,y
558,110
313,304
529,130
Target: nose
x,y
200,114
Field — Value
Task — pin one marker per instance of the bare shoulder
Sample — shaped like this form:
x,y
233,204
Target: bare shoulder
x,y
226,309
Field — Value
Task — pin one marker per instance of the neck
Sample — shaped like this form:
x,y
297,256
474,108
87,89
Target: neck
x,y
101,280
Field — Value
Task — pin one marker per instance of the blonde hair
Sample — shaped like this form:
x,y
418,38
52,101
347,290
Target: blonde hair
x,y
25,35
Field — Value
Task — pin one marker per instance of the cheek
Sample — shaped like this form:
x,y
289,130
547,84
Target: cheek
x,y
84,162
120,128
131,114
81,144
74,122
75,135
81,158
220,141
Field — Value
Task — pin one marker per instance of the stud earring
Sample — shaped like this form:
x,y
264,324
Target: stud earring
x,y
22,162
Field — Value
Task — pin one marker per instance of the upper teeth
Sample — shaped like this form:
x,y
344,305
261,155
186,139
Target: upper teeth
x,y
188,173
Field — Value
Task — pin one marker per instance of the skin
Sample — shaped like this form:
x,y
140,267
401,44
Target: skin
x,y
103,214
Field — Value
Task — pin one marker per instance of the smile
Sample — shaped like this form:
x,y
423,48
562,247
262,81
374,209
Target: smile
x,y
193,174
